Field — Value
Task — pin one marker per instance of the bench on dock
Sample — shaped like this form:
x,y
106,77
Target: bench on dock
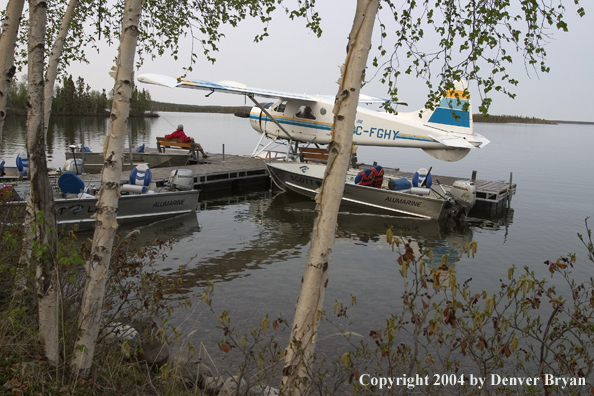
x,y
312,154
175,143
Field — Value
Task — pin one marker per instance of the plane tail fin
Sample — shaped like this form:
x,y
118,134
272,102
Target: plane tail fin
x,y
454,111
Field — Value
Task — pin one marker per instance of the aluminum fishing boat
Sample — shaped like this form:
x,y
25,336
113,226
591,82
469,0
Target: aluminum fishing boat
x,y
420,202
75,203
93,162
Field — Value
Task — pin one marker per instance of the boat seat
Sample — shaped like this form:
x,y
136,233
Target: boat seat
x,y
311,154
70,183
420,176
22,163
141,175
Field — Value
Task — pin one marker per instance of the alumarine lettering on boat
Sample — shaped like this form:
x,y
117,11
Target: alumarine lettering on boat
x,y
176,202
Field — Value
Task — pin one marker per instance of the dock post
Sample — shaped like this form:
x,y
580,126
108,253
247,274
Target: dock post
x,y
473,177
509,190
82,151
223,152
130,147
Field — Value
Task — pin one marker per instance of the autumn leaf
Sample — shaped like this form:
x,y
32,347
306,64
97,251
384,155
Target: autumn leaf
x,y
409,254
226,347
506,350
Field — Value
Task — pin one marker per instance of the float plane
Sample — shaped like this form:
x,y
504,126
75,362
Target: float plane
x,y
445,133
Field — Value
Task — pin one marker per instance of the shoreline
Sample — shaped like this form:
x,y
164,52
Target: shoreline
x,y
183,108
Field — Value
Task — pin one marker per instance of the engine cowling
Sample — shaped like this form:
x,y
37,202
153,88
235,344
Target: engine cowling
x,y
181,179
464,194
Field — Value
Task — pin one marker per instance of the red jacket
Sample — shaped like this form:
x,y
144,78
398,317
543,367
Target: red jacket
x,y
179,135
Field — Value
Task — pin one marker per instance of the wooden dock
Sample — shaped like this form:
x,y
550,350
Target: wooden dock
x,y
215,176
220,175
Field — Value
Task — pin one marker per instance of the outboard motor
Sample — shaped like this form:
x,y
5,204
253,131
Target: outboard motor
x,y
181,179
22,163
74,165
464,194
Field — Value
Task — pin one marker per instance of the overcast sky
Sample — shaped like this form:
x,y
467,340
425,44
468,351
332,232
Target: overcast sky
x,y
293,59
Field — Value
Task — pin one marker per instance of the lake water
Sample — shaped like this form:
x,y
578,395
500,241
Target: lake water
x,y
254,247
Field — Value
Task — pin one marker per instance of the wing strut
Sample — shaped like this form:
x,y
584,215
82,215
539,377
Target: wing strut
x,y
251,96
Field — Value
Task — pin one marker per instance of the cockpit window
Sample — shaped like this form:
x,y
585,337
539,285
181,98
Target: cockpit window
x,y
266,105
281,107
305,112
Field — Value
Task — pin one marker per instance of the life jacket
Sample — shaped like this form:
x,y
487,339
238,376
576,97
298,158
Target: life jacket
x,y
365,178
378,176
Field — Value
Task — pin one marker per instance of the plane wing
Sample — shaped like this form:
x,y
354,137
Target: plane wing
x,y
233,87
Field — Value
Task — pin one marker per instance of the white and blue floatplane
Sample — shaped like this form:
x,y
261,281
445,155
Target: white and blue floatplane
x,y
446,133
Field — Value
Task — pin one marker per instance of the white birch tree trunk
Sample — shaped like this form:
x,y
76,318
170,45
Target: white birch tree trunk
x,y
106,224
40,196
54,60
309,311
10,29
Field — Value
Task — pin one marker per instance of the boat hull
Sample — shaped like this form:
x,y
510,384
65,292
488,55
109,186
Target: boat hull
x,y
131,208
93,162
305,179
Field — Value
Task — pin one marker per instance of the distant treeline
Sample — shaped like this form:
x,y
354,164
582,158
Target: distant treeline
x,y
160,106
76,98
508,118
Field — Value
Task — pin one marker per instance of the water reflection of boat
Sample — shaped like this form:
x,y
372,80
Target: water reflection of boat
x,y
279,231
440,236
153,232
301,210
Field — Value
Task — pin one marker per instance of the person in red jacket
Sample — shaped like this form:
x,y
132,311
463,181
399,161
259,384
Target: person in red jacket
x,y
180,134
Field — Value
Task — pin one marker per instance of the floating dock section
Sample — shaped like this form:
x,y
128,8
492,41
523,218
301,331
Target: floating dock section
x,y
216,176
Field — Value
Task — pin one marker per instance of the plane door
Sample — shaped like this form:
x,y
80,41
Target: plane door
x,y
276,110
